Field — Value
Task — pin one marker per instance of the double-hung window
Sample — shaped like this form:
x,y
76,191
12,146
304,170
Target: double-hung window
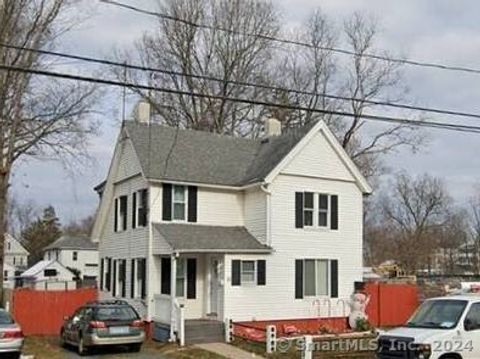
x,y
121,206
323,210
179,203
248,274
181,277
316,277
308,209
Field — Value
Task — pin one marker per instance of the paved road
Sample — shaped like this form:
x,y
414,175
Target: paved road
x,y
119,352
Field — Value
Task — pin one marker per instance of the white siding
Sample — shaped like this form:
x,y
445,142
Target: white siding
x,y
215,207
84,257
277,300
255,213
319,159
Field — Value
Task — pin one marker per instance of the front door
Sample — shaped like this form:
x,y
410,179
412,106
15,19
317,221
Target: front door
x,y
216,287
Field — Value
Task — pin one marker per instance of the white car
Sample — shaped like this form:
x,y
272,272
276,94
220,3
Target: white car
x,y
441,328
11,336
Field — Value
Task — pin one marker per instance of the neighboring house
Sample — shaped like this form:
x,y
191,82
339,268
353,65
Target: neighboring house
x,y
48,275
232,228
15,260
77,253
15,253
9,275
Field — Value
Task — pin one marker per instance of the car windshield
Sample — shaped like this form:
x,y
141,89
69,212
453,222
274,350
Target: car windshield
x,y
119,313
5,318
438,314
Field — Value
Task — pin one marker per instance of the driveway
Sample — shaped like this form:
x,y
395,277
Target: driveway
x,y
120,352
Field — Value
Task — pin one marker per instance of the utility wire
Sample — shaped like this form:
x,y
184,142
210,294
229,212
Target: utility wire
x,y
125,66
403,121
433,65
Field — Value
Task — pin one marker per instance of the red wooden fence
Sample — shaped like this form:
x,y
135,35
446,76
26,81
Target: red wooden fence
x,y
41,312
391,304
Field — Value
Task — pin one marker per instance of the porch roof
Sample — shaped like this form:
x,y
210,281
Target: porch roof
x,y
200,238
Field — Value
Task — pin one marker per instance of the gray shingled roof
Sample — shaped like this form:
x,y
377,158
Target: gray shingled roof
x,y
72,242
166,153
191,238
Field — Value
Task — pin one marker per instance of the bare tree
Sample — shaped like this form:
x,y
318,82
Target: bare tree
x,y
176,46
414,212
38,117
20,215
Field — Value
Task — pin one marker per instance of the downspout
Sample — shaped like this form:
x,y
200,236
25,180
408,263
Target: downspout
x,y
264,188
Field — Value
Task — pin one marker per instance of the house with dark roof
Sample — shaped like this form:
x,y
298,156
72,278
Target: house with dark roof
x,y
77,253
198,226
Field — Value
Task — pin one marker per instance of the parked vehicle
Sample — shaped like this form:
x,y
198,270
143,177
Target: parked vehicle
x,y
11,336
102,323
441,328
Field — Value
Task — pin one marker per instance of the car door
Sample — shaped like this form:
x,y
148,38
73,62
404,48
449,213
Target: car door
x,y
470,344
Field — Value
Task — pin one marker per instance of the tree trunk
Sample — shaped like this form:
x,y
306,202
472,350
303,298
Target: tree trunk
x,y
4,176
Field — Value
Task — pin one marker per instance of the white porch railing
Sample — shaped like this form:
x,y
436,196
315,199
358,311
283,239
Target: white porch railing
x,y
162,314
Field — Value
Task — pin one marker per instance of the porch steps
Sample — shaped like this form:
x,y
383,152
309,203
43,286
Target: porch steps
x,y
198,331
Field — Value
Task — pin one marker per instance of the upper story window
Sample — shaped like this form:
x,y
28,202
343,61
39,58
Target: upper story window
x,y
120,215
318,210
179,203
75,256
9,246
140,208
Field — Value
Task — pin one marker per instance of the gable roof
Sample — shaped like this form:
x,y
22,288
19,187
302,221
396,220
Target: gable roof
x,y
40,266
72,242
167,153
198,238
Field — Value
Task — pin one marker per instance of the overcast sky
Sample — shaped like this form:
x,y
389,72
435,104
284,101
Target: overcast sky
x,y
429,30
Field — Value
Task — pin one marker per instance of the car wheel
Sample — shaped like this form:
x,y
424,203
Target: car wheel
x,y
16,355
135,348
63,342
82,349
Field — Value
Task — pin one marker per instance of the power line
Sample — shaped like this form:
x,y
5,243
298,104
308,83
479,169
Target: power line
x,y
403,121
243,83
427,64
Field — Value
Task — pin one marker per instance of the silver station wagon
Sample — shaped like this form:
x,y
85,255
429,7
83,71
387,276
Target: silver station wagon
x,y
104,323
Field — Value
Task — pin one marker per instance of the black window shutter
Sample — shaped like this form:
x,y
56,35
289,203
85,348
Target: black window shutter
x,y
114,285
101,273
261,272
124,277
134,210
143,263
108,275
334,212
334,278
132,278
298,278
166,273
143,215
192,203
124,210
167,202
298,209
191,278
236,272
115,216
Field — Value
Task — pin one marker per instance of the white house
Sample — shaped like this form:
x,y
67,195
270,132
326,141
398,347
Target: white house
x,y
77,253
232,228
15,253
48,275
15,260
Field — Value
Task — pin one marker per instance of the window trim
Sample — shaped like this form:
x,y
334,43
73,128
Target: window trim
x,y
255,275
329,289
139,204
316,210
309,209
75,256
185,203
